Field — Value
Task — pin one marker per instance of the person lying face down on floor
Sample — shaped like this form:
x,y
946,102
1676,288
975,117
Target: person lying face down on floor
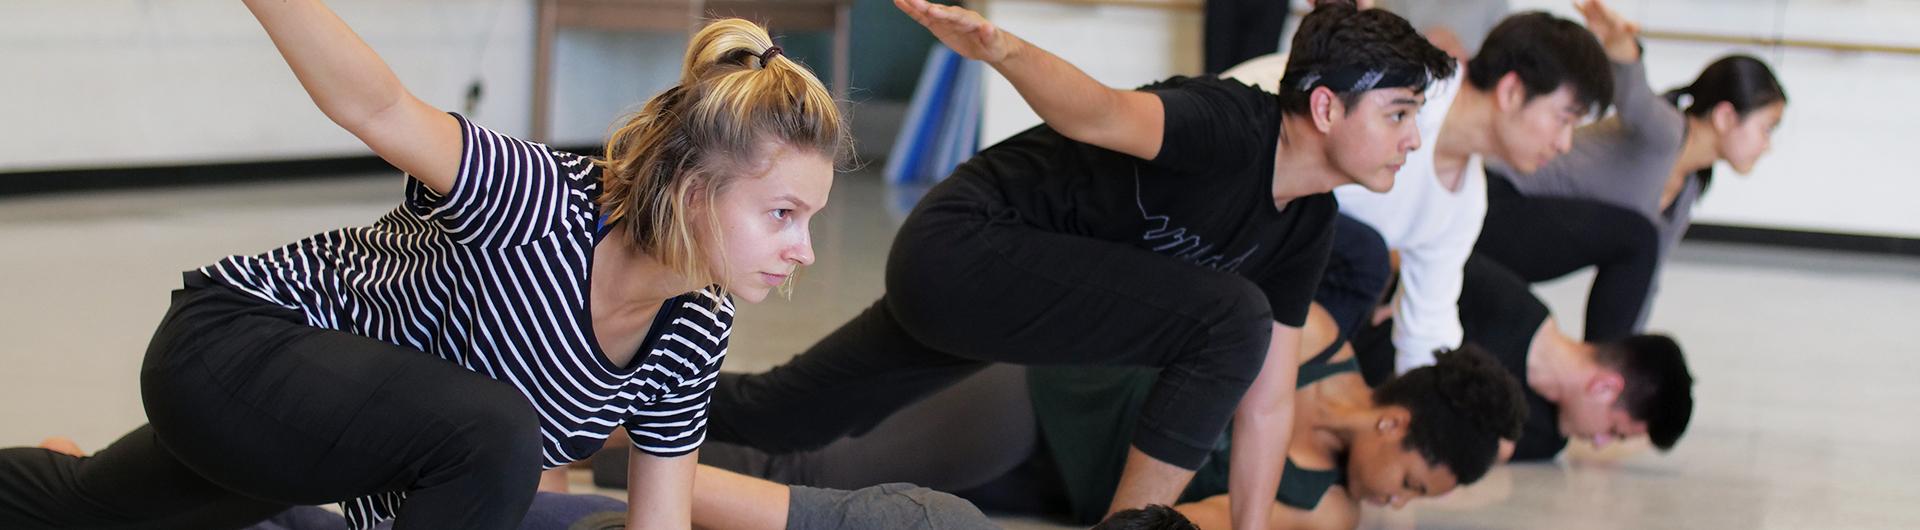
x,y
1598,392
1421,435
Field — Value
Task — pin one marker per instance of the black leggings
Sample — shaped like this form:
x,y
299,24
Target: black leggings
x,y
1543,238
968,284
252,411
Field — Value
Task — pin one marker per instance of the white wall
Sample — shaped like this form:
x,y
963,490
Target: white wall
x,y
1122,46
104,83
1840,158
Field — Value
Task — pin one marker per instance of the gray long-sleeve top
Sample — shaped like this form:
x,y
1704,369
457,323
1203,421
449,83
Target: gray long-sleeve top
x,y
1623,160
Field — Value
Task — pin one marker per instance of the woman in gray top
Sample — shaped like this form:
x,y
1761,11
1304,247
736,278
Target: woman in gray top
x,y
1623,196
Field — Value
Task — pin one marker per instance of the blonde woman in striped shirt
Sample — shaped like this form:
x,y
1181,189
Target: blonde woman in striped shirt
x,y
518,306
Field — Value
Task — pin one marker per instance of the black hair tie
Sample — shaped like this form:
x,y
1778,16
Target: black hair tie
x,y
768,55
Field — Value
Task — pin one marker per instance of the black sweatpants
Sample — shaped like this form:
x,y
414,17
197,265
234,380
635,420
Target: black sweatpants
x,y
252,411
1542,238
969,283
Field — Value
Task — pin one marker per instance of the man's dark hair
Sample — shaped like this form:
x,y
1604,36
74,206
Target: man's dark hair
x,y
1460,407
1152,517
1336,38
1547,52
1658,390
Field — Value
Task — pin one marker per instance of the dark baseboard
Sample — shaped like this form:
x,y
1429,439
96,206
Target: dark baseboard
x,y
28,183
1899,246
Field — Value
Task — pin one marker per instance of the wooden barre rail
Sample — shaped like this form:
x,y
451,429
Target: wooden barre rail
x,y
1169,5
1682,36
1807,44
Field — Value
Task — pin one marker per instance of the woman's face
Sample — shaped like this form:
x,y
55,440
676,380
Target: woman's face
x,y
1743,139
1382,471
765,218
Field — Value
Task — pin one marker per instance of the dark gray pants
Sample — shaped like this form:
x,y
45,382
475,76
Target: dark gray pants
x,y
955,440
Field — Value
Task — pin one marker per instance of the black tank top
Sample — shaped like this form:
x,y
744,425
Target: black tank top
x,y
1087,416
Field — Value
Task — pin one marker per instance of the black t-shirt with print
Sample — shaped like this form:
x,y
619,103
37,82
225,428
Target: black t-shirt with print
x,y
1205,199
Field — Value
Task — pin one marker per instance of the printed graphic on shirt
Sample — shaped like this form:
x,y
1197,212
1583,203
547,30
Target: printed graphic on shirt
x,y
1165,237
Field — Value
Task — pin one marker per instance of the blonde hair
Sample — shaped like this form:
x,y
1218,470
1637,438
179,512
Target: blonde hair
x,y
698,136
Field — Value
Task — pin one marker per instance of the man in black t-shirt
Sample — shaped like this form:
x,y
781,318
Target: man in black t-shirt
x,y
1599,392
1183,225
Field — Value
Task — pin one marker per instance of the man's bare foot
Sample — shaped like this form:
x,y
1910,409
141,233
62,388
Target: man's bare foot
x,y
62,445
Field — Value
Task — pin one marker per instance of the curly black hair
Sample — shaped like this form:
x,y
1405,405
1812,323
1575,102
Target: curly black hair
x,y
1547,52
1659,389
1460,407
1152,517
1336,37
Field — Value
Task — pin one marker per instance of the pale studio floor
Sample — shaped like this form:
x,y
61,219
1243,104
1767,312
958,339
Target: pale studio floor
x,y
1805,360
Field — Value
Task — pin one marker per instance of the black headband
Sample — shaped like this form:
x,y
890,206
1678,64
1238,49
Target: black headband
x,y
1361,80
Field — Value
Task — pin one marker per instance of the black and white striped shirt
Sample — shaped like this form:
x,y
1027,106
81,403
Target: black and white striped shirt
x,y
493,276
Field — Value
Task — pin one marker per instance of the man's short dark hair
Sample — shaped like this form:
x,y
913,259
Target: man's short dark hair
x,y
1547,52
1337,38
1658,389
1152,517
